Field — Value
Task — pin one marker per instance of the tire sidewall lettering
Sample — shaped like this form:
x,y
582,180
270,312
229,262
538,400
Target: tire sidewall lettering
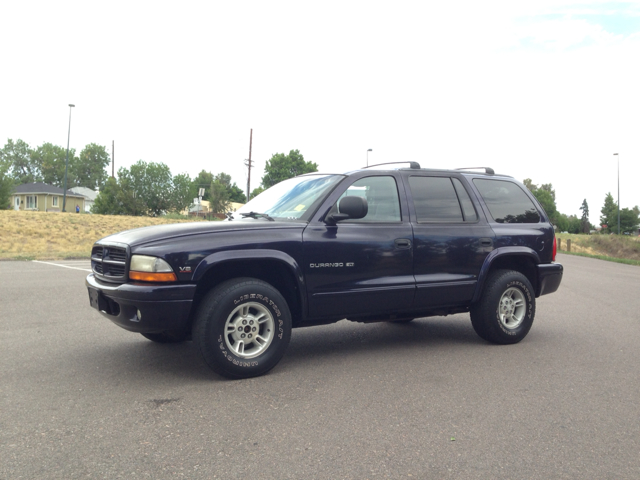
x,y
233,359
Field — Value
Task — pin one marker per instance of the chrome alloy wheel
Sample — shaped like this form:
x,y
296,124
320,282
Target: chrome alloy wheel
x,y
512,308
249,330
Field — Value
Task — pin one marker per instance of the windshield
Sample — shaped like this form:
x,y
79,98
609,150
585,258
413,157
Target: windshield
x,y
292,199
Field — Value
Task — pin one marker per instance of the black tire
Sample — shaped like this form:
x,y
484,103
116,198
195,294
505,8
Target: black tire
x,y
242,328
505,312
167,337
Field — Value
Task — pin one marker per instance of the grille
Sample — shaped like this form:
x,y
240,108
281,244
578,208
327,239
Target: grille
x,y
109,262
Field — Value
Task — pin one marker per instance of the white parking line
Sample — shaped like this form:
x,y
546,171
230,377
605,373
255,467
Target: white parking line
x,y
64,266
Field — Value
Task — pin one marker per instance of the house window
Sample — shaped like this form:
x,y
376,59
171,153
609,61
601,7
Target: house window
x,y
55,201
32,201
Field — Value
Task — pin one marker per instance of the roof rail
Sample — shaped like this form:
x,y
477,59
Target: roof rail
x,y
411,164
488,170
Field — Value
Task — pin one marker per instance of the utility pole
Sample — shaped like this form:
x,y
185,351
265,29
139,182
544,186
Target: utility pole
x,y
113,162
66,164
249,164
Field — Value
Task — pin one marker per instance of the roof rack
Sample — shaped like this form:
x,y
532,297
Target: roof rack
x,y
411,164
488,170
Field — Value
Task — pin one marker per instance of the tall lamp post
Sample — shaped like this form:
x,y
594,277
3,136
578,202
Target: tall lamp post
x,y
618,157
66,164
368,156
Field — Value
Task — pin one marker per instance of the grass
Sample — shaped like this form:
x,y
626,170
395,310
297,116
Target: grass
x,y
51,236
613,248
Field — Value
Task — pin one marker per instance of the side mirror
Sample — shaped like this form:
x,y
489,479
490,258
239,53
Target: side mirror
x,y
350,207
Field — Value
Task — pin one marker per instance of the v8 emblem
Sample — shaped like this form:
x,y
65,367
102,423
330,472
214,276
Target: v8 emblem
x,y
185,269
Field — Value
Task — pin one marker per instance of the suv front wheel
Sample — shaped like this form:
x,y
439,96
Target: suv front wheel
x,y
505,312
242,328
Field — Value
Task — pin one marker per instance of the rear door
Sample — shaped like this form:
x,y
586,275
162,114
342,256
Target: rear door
x,y
364,266
451,238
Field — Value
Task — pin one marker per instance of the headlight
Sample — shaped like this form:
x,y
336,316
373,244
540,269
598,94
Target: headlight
x,y
150,269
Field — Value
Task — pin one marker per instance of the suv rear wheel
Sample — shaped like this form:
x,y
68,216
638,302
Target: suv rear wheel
x,y
505,312
242,328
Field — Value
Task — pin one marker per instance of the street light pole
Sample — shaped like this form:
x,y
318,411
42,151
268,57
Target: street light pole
x,y
66,164
368,156
618,157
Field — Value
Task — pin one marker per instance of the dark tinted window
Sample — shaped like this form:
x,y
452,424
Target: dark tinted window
x,y
437,200
468,210
507,202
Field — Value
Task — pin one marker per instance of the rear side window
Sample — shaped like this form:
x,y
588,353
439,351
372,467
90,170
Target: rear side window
x,y
441,199
506,201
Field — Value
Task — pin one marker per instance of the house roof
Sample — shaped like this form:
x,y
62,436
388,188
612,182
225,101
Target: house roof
x,y
85,192
43,188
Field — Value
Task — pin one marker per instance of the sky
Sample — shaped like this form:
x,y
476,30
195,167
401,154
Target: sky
x,y
546,90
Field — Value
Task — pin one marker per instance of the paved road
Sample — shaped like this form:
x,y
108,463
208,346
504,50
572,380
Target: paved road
x,y
81,398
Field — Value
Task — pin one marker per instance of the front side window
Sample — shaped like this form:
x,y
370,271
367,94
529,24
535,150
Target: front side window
x,y
441,199
32,201
381,194
507,202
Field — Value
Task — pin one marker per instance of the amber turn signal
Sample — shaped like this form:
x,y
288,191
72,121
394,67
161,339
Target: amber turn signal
x,y
153,277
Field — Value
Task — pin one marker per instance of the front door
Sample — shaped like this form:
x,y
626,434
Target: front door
x,y
363,266
17,204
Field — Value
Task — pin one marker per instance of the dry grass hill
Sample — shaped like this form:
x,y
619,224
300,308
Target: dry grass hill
x,y
46,236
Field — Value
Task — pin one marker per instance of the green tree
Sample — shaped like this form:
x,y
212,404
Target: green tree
x,y
546,195
547,187
629,220
281,166
203,180
118,197
529,184
89,169
51,160
219,201
236,194
609,217
183,192
548,203
257,191
586,226
6,188
22,166
107,202
151,182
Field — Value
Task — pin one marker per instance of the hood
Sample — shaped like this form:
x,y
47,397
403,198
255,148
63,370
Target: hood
x,y
141,236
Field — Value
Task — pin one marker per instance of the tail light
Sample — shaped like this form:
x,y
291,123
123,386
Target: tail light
x,y
555,249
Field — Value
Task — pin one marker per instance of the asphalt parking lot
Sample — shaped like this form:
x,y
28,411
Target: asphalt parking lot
x,y
82,398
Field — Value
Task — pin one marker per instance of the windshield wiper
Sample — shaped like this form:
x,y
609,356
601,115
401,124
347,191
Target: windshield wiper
x,y
257,215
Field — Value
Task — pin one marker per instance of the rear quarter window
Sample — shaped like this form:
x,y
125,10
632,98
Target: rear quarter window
x,y
506,201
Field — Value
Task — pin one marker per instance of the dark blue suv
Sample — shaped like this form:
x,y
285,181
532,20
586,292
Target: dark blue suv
x,y
370,245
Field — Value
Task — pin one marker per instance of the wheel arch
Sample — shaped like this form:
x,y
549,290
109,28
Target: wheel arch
x,y
271,266
520,259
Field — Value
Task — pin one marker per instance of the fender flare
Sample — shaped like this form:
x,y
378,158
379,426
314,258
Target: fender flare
x,y
218,258
501,253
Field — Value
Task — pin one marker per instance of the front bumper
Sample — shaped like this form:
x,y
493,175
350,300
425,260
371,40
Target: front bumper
x,y
549,278
142,308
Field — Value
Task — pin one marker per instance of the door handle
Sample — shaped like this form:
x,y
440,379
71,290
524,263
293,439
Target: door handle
x,y
402,243
486,244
